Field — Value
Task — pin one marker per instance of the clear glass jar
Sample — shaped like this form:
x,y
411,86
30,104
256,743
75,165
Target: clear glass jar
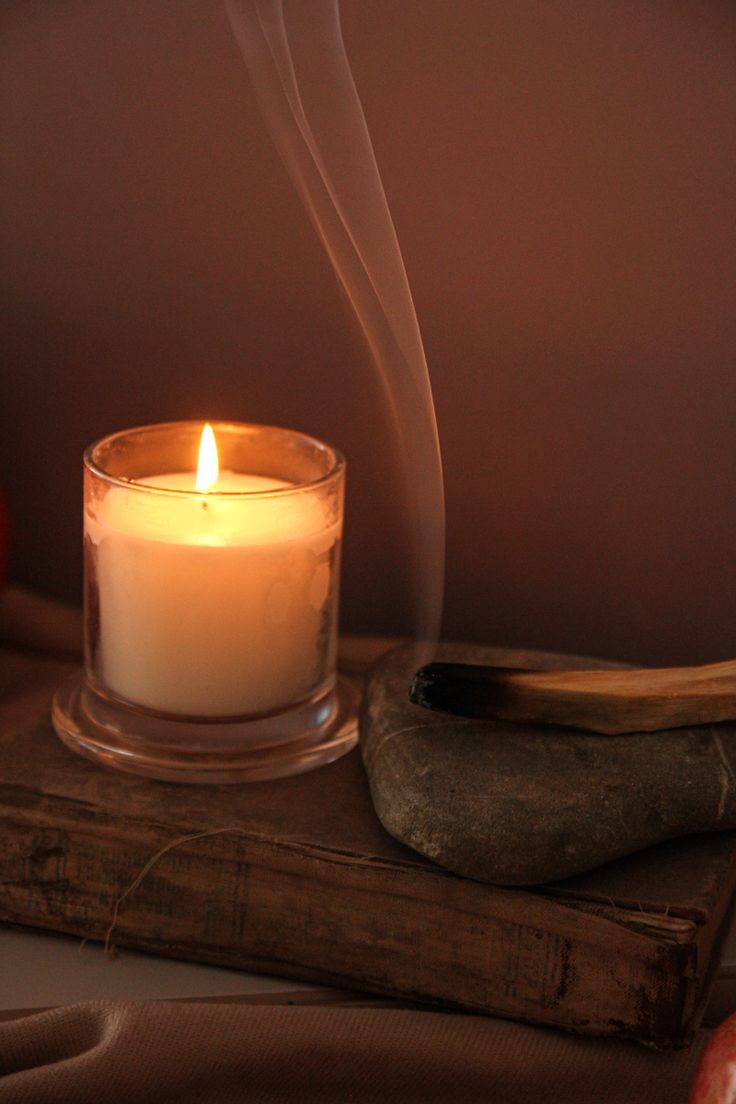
x,y
210,615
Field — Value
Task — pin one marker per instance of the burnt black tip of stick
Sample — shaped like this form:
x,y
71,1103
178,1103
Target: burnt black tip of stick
x,y
465,689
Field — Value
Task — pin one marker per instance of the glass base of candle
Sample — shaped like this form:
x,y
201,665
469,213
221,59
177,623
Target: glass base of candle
x,y
187,750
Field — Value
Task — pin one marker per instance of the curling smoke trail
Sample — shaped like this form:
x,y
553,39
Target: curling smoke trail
x,y
297,62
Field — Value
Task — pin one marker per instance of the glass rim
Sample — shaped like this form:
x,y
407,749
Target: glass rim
x,y
337,460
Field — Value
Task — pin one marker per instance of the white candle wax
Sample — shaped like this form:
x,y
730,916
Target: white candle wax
x,y
213,604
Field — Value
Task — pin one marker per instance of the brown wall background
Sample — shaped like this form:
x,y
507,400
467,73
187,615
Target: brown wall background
x,y
561,176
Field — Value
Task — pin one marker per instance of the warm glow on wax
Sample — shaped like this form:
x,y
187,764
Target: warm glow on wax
x,y
208,466
215,585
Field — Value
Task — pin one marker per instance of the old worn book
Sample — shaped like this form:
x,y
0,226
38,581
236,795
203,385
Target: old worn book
x,y
310,886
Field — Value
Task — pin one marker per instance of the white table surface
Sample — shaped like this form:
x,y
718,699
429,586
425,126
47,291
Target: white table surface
x,y
40,970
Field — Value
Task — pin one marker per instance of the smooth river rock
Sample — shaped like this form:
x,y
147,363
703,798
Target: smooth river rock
x,y
521,805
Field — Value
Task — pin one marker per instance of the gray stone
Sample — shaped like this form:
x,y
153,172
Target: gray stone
x,y
521,805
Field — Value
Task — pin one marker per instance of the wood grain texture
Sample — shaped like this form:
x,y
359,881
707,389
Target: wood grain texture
x,y
312,887
610,702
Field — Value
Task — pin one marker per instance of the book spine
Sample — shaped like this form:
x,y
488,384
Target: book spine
x,y
322,916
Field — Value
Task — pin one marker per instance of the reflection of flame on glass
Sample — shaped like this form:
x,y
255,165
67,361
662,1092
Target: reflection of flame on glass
x,y
305,89
208,467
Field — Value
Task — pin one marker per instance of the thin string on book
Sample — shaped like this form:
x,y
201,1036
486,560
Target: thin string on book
x,y
109,950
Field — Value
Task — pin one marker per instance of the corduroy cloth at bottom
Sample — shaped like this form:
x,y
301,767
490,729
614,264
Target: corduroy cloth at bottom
x,y
132,1052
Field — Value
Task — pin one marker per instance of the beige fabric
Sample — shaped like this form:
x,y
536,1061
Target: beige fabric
x,y
216,1054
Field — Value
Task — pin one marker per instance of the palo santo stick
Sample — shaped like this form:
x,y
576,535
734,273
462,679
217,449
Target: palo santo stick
x,y
609,702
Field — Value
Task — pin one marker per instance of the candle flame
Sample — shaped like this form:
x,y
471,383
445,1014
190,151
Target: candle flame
x,y
208,467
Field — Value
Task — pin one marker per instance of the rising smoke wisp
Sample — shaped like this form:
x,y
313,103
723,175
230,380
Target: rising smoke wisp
x,y
305,90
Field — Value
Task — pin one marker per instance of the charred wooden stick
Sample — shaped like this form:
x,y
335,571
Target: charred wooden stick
x,y
610,702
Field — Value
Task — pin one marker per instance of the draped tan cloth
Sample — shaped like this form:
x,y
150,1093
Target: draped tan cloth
x,y
104,1052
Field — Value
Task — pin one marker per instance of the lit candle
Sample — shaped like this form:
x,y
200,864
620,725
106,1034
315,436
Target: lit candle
x,y
217,590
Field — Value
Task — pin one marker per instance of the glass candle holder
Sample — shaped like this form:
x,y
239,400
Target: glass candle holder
x,y
210,614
